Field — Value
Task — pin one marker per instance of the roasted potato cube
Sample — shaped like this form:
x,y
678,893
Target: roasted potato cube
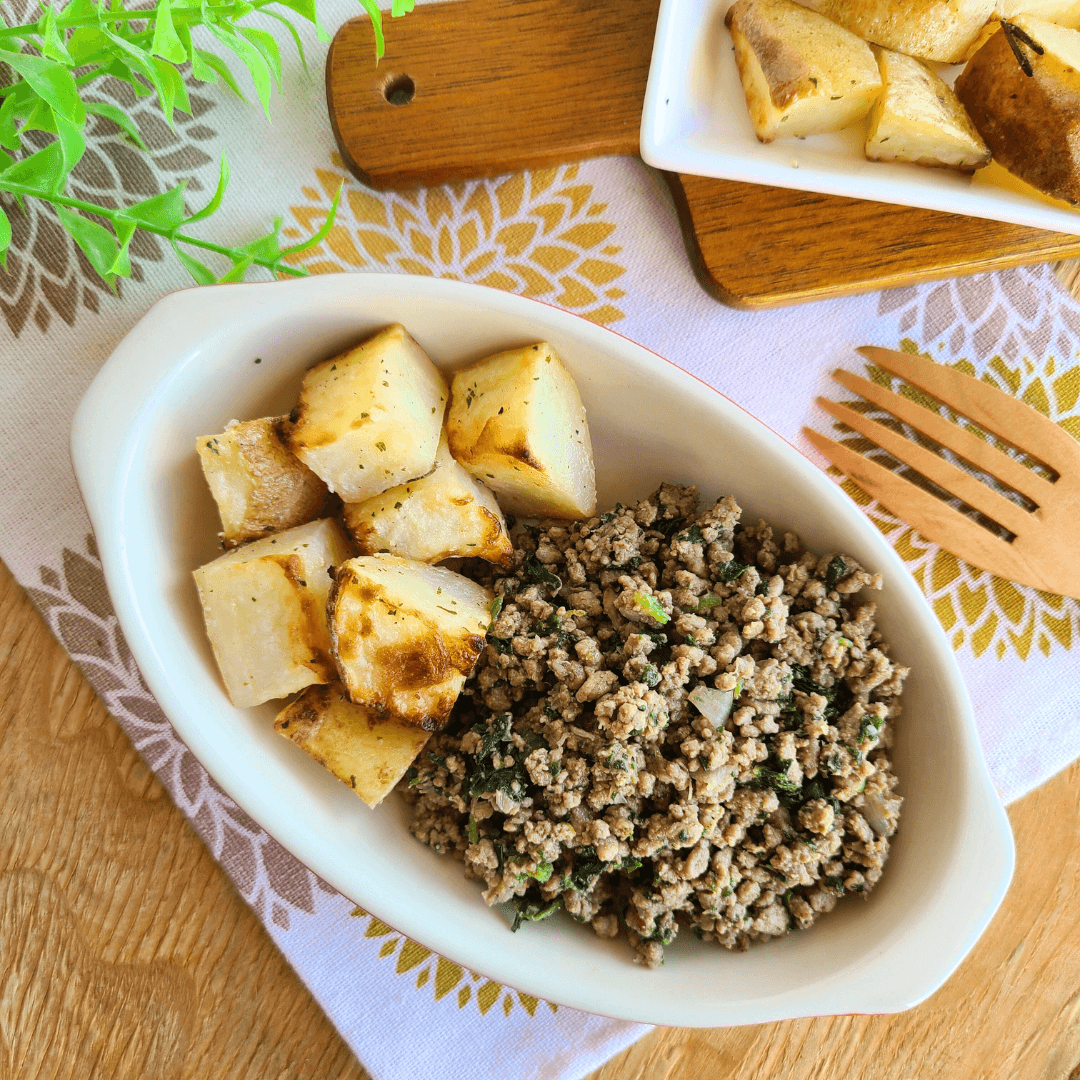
x,y
406,635
801,73
370,418
995,175
516,422
940,30
918,118
445,515
258,485
368,754
1062,12
265,611
1030,122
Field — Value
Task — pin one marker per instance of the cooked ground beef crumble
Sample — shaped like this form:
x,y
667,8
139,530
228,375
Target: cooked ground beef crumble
x,y
577,771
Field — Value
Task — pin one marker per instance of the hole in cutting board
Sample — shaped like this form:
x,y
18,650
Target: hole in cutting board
x,y
399,90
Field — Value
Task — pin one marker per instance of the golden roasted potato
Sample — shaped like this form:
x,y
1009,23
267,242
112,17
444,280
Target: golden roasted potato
x,y
995,175
368,754
1062,12
258,485
918,118
981,39
265,610
516,422
1030,122
406,635
940,30
445,515
370,418
801,73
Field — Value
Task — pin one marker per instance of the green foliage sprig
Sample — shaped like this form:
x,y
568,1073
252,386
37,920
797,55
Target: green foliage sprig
x,y
55,58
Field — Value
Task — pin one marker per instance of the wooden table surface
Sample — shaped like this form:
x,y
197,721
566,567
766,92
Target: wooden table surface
x,y
125,952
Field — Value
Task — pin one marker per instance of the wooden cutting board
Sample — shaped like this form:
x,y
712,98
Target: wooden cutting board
x,y
476,88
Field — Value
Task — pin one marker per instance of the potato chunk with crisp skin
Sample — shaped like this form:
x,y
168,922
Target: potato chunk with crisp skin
x,y
406,635
368,754
918,118
940,30
445,515
1030,122
516,422
258,485
265,611
1062,12
801,73
370,418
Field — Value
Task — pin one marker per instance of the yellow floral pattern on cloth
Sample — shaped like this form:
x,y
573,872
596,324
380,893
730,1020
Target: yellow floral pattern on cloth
x,y
540,234
976,608
445,977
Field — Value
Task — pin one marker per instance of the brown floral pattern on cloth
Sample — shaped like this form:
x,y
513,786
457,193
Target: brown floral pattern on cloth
x,y
542,234
76,605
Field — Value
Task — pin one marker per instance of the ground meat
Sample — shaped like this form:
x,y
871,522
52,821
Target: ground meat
x,y
577,773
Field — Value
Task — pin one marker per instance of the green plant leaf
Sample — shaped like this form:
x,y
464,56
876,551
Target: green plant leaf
x,y
238,271
219,194
324,229
98,244
401,7
164,211
167,43
172,92
295,36
252,59
207,66
121,265
52,44
38,173
40,117
9,136
54,84
119,118
138,60
5,237
86,45
120,69
80,9
305,9
72,146
200,272
266,248
372,8
267,47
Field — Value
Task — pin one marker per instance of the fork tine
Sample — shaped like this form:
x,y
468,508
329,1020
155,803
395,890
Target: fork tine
x,y
934,519
981,454
1014,421
954,480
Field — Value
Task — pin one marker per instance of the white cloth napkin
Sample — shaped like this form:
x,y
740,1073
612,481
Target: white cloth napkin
x,y
600,239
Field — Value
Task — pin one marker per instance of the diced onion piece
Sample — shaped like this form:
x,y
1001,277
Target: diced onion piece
x,y
714,705
873,809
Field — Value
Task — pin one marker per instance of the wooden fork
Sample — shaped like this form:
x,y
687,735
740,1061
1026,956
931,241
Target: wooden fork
x,y
1045,549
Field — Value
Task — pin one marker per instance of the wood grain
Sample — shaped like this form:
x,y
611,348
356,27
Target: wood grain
x,y
126,953
505,85
757,247
500,86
